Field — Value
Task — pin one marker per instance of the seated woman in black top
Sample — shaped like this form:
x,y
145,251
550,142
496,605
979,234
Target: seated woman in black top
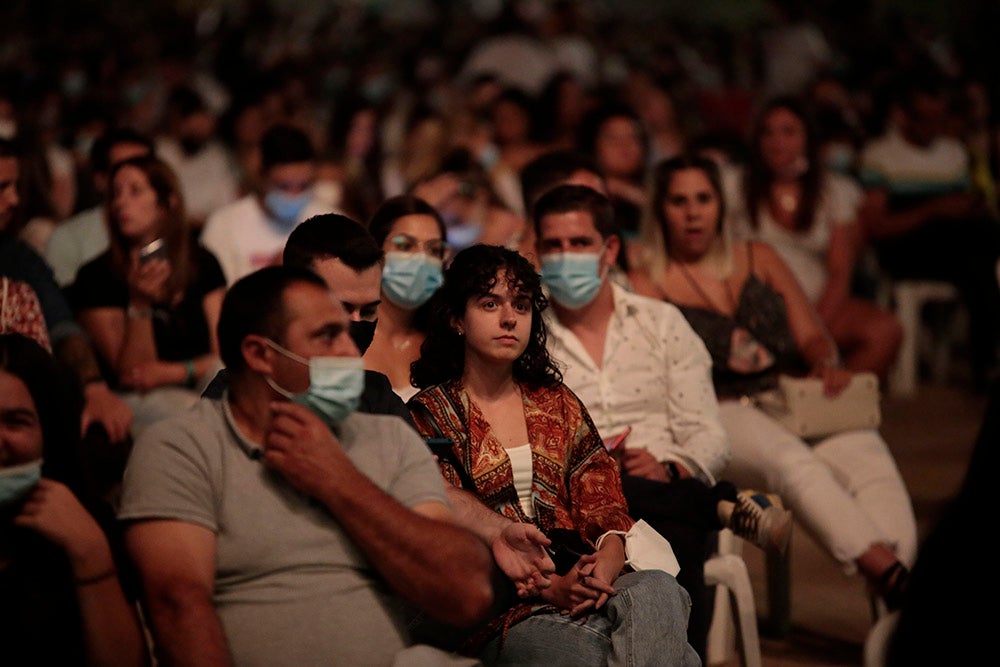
x,y
62,603
151,313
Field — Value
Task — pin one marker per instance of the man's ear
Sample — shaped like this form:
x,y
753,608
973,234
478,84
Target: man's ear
x,y
257,354
613,247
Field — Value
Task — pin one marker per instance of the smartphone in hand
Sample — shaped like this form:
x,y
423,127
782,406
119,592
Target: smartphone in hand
x,y
615,442
154,250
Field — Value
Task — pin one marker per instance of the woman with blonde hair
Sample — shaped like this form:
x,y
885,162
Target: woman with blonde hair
x,y
756,321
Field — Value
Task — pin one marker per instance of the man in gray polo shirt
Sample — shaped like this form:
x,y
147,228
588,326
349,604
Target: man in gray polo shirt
x,y
269,531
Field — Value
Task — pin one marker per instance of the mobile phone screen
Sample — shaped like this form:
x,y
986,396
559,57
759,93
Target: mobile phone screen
x,y
155,249
614,443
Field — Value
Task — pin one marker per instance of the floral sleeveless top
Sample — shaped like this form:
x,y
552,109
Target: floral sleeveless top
x,y
750,348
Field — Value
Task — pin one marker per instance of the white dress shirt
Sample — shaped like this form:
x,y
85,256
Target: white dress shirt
x,y
655,376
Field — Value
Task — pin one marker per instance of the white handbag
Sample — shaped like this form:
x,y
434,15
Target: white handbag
x,y
800,405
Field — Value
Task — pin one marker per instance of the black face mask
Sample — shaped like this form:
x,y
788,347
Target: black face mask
x,y
362,333
191,145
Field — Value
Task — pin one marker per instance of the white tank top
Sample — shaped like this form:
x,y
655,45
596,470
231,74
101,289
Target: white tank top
x,y
520,463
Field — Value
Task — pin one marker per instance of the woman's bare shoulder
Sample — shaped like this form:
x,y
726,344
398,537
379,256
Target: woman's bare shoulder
x,y
642,283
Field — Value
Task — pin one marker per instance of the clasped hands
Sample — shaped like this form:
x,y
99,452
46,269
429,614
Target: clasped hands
x,y
520,552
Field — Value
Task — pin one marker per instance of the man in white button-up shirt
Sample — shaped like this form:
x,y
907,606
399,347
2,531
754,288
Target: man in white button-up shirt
x,y
635,362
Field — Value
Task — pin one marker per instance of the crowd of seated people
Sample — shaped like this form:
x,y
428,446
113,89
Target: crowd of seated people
x,y
241,266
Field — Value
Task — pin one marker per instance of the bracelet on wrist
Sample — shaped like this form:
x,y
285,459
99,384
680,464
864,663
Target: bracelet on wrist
x,y
189,373
673,473
829,362
136,313
600,540
97,578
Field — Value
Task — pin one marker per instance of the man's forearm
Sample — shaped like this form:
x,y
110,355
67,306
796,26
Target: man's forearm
x,y
470,513
437,565
76,352
187,631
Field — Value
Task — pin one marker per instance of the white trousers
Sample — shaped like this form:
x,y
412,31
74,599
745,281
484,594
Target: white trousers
x,y
844,490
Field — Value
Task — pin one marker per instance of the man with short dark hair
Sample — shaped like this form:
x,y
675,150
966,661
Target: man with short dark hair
x,y
641,370
276,526
250,233
347,257
202,163
558,167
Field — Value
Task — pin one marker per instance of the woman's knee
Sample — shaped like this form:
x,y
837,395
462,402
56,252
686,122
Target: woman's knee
x,y
653,589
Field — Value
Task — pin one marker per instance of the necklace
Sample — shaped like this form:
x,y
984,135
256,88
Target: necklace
x,y
788,202
785,197
704,296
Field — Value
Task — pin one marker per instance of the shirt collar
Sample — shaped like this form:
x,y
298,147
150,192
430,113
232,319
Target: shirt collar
x,y
250,448
624,305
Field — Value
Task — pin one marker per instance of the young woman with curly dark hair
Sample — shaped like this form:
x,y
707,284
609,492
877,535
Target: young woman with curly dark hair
x,y
527,459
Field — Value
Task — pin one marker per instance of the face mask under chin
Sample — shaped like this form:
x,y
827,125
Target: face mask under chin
x,y
335,385
17,481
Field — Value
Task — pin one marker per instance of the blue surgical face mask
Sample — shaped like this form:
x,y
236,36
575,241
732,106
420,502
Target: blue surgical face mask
x,y
463,235
409,279
335,385
573,278
840,158
287,209
16,482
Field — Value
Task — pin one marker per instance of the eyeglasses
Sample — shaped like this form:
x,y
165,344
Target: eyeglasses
x,y
406,243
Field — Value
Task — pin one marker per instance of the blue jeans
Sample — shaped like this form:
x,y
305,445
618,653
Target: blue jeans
x,y
643,624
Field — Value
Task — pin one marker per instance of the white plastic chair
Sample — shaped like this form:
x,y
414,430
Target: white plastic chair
x,y
733,600
909,298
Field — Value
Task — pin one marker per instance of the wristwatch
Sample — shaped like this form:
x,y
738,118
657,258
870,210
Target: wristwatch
x,y
138,313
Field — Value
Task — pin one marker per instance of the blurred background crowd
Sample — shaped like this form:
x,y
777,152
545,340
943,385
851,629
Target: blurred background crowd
x,y
386,89
879,103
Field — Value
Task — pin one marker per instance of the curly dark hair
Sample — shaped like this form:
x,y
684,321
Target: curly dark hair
x,y
471,274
